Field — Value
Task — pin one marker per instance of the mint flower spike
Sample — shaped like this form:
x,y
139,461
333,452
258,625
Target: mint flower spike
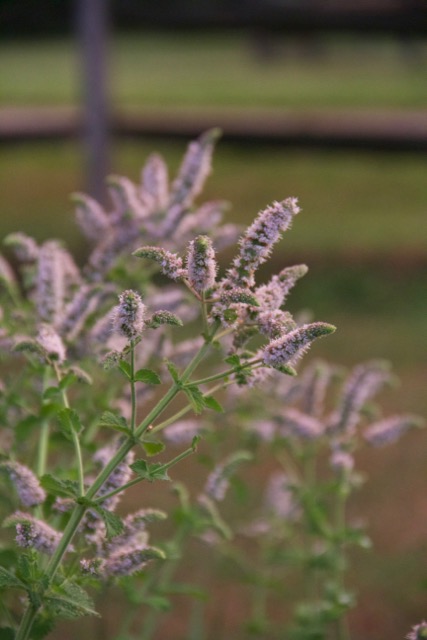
x,y
155,182
90,216
32,533
418,632
126,198
51,342
26,483
391,429
170,263
201,264
194,169
258,240
290,347
273,295
128,316
24,247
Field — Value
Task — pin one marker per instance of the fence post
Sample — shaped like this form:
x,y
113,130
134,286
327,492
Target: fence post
x,y
93,23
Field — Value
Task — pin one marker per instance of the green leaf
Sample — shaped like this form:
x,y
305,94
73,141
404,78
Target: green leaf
x,y
233,360
7,633
51,392
287,370
160,318
147,376
70,601
152,447
196,398
110,420
69,422
113,523
230,315
67,380
125,368
173,370
150,472
213,404
57,487
9,580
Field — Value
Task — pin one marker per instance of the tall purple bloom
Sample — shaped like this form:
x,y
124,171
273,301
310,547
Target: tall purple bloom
x,y
258,240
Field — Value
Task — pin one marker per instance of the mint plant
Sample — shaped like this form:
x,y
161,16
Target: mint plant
x,y
75,430
114,371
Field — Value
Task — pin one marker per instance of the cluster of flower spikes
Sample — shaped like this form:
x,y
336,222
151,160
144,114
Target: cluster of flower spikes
x,y
307,416
235,300
66,298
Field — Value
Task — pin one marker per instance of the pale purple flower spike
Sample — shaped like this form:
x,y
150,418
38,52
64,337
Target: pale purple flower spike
x,y
418,632
290,347
27,485
258,240
391,429
32,533
128,316
201,264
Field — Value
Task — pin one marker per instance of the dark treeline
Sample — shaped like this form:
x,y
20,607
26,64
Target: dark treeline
x,y
57,17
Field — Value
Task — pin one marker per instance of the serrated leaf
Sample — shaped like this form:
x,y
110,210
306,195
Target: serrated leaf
x,y
69,422
213,404
70,601
150,472
153,447
196,398
287,370
230,315
160,318
173,370
233,360
125,368
148,376
9,580
113,524
58,487
112,421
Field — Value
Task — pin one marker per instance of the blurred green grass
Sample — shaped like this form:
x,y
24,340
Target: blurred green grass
x,y
207,69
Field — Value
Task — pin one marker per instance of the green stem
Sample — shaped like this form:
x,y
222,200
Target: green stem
x,y
184,410
74,436
42,450
343,632
27,622
224,374
132,386
131,483
204,314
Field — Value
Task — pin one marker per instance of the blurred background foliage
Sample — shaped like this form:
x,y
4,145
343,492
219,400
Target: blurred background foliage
x,y
362,231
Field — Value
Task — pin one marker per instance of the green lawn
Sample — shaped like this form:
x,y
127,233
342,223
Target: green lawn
x,y
351,202
155,69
